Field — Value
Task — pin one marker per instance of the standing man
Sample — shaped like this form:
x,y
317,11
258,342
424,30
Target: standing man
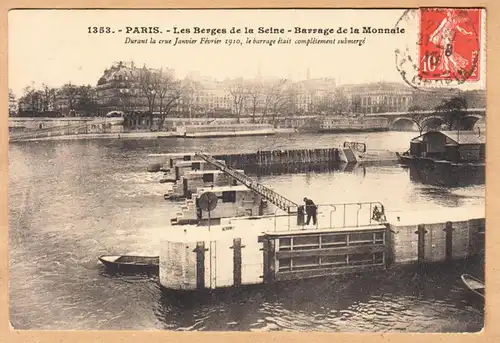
x,y
311,210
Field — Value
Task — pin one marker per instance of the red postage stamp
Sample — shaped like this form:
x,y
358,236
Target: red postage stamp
x,y
449,44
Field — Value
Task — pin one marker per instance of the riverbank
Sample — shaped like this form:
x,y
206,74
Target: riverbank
x,y
117,135
129,135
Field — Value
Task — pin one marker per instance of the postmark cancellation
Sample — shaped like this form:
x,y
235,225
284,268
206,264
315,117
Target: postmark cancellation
x,y
448,47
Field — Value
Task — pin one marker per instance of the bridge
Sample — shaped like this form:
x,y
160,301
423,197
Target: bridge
x,y
431,119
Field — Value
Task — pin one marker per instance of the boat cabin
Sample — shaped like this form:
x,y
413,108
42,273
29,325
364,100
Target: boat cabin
x,y
192,180
232,201
454,146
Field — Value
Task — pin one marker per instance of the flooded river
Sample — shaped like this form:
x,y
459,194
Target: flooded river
x,y
71,201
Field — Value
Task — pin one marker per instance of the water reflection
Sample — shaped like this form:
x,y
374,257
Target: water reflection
x,y
447,175
389,301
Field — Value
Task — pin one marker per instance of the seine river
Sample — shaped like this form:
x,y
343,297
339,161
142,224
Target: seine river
x,y
71,201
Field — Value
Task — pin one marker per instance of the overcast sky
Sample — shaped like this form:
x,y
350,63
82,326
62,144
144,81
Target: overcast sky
x,y
54,46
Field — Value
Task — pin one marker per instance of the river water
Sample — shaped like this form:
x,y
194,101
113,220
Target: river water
x,y
71,201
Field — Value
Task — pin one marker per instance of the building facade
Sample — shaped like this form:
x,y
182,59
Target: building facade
x,y
379,97
311,94
117,90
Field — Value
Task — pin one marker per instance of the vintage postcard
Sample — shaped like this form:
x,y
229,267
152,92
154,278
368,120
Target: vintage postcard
x,y
247,170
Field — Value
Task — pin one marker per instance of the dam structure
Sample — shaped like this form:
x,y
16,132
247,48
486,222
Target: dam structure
x,y
253,247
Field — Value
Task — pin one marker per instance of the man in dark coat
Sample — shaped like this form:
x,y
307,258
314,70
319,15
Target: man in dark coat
x,y
311,210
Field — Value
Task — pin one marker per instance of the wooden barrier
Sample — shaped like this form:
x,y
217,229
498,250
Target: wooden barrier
x,y
284,157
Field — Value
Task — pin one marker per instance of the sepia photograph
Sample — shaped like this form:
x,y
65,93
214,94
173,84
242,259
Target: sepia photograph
x,y
249,170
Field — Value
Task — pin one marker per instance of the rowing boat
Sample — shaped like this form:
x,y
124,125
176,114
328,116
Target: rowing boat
x,y
129,263
475,285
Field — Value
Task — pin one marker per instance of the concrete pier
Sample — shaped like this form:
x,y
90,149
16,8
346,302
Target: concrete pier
x,y
437,237
270,249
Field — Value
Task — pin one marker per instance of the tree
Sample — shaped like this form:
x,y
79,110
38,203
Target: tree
x,y
13,106
71,94
31,99
190,91
274,98
279,99
168,91
48,98
417,116
254,92
87,100
127,99
147,83
239,94
452,111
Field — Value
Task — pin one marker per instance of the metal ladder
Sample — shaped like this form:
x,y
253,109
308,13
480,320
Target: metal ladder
x,y
278,200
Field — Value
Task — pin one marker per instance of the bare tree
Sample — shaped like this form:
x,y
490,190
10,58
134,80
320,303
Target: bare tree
x,y
189,94
239,94
274,98
147,83
254,93
168,91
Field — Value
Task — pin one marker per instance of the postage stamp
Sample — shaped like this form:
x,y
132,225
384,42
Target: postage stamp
x,y
449,44
445,47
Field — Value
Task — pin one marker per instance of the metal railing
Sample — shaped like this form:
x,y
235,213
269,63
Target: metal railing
x,y
341,215
277,199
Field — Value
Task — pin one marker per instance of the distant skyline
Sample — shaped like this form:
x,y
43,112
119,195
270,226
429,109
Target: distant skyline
x,y
54,46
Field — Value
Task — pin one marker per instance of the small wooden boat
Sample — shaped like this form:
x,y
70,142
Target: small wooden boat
x,y
403,159
475,285
131,264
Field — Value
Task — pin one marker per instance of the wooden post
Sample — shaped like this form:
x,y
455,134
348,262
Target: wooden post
x,y
268,259
200,265
449,240
421,231
237,261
